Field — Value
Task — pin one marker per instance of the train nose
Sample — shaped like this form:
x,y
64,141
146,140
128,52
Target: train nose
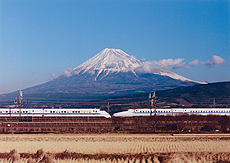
x,y
121,114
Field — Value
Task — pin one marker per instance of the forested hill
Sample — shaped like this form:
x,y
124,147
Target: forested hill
x,y
193,96
198,96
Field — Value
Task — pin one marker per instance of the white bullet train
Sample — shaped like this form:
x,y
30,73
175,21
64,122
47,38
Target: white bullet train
x,y
54,112
173,111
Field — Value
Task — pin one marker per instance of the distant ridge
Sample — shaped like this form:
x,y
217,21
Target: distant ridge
x,y
191,96
199,95
109,73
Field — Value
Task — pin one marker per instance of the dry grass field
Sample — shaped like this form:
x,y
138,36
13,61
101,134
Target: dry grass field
x,y
90,148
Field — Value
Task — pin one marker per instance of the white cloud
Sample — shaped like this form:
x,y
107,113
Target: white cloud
x,y
67,72
143,59
53,76
215,62
35,72
182,65
194,63
165,64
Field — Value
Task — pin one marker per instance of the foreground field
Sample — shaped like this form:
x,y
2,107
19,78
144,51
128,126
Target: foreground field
x,y
119,147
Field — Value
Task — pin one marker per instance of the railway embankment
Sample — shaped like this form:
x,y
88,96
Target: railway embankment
x,y
159,124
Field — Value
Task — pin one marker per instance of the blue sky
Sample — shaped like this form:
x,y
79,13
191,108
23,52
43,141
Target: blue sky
x,y
41,38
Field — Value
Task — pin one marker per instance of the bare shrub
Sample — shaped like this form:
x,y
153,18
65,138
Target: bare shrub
x,y
155,159
30,160
40,154
13,151
47,159
15,157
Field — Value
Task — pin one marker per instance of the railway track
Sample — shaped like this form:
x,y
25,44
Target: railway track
x,y
73,124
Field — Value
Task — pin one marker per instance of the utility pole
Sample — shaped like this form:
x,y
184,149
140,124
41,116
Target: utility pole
x,y
20,102
152,105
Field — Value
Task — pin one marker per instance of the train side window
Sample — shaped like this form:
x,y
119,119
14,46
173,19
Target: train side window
x,y
32,110
64,111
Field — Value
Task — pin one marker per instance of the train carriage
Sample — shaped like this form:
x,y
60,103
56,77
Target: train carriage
x,y
53,112
173,111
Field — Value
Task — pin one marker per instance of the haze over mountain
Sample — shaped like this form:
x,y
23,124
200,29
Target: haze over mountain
x,y
111,72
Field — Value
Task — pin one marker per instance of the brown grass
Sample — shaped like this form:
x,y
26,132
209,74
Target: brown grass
x,y
114,148
195,157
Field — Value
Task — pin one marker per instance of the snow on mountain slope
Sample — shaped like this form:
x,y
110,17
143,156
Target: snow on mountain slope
x,y
176,76
108,61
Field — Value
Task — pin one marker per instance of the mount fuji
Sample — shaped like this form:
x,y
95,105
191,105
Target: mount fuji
x,y
111,72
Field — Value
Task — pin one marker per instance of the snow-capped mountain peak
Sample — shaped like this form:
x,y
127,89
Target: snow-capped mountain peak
x,y
114,61
107,61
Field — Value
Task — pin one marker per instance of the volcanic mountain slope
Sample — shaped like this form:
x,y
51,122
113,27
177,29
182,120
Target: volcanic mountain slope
x,y
111,72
